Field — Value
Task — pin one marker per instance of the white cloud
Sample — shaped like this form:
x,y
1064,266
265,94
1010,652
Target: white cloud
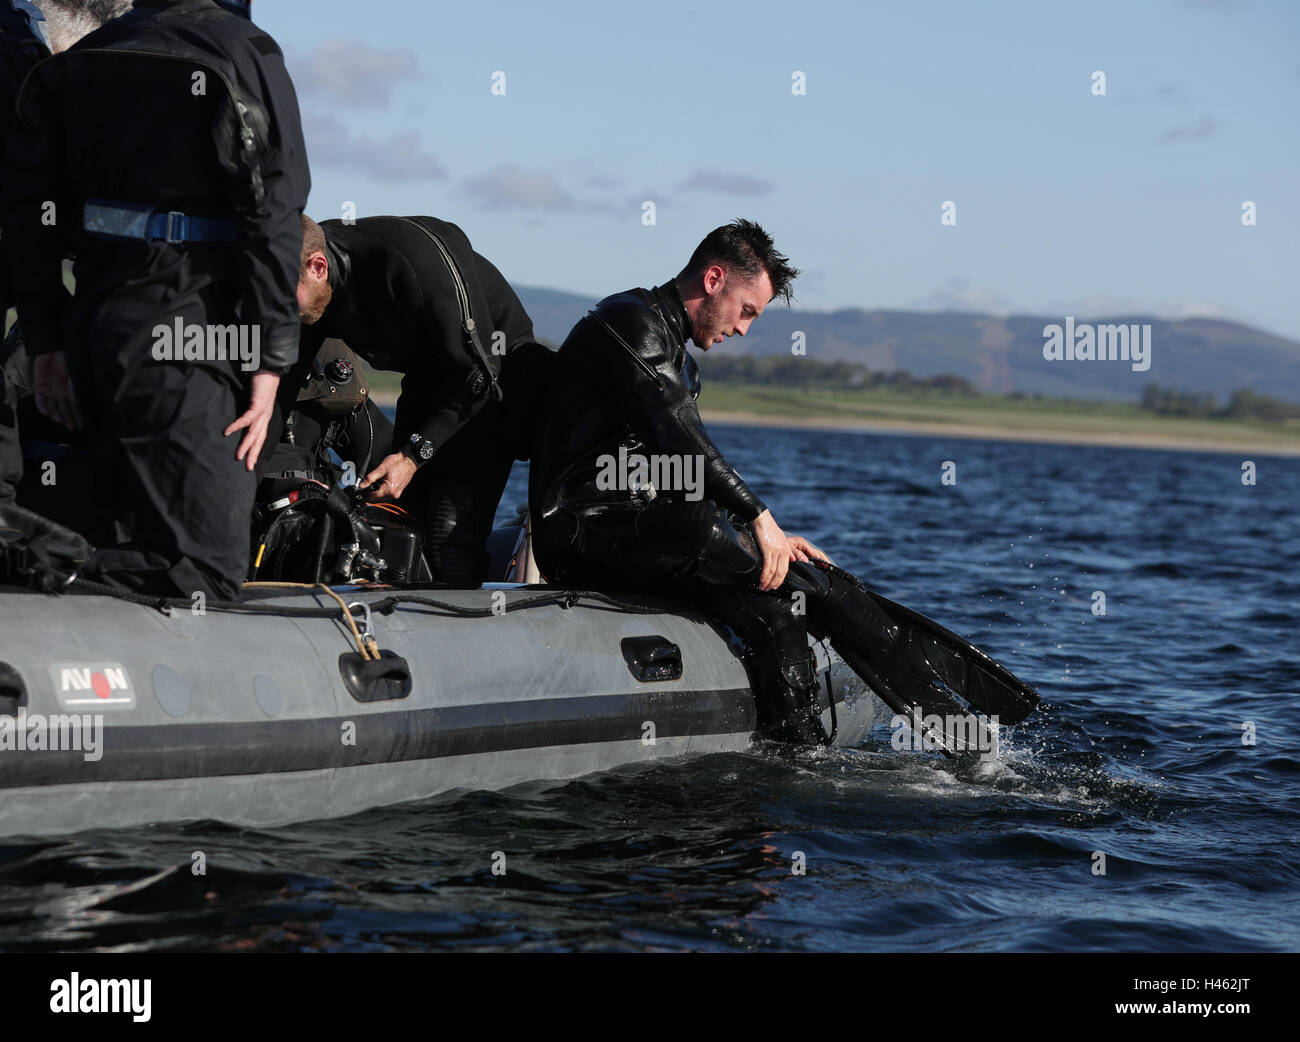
x,y
400,157
345,72
958,294
511,187
727,184
1203,128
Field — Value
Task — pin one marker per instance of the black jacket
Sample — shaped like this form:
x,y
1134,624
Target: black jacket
x,y
397,304
624,381
178,105
24,43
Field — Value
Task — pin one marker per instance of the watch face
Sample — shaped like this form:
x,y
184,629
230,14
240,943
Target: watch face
x,y
426,450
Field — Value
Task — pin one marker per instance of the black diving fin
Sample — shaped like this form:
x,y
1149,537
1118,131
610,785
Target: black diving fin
x,y
928,668
927,650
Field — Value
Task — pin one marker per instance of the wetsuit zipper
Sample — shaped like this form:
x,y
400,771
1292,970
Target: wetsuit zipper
x,y
645,366
467,316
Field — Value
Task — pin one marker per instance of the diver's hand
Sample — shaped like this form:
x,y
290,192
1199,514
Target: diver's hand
x,y
775,548
802,550
55,396
390,478
255,421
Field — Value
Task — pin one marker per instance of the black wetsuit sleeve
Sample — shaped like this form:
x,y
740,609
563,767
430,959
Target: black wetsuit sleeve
x,y
436,418
660,408
269,234
37,215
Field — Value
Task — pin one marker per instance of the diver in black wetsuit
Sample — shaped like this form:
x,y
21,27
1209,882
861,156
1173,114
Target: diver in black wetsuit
x,y
411,295
626,389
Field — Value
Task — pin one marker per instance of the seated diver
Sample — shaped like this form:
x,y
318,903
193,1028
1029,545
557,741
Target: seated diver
x,y
626,388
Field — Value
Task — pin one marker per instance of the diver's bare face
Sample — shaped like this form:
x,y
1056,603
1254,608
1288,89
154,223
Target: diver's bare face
x,y
730,305
314,290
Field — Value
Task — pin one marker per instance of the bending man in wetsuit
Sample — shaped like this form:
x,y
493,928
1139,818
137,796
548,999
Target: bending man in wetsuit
x,y
410,294
625,390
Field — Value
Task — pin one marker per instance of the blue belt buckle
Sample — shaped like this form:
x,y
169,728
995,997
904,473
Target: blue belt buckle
x,y
174,219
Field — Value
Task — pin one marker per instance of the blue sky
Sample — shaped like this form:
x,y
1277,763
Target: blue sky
x,y
1066,202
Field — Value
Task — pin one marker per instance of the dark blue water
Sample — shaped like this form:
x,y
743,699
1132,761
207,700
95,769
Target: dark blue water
x,y
1136,754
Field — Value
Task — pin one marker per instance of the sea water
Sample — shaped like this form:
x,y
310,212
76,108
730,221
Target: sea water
x,y
1150,804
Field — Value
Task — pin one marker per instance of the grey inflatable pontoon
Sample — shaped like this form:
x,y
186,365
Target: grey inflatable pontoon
x,y
119,714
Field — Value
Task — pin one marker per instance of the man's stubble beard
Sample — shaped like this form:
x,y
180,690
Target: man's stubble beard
x,y
315,308
706,325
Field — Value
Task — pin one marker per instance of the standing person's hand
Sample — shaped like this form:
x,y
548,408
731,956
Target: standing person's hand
x,y
55,396
391,477
776,550
255,421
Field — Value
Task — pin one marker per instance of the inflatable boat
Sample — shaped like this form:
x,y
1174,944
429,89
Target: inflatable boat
x,y
305,703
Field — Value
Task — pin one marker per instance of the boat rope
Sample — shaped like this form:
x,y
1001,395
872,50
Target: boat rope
x,y
386,606
367,646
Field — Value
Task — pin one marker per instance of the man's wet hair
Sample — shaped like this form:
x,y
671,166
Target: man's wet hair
x,y
313,241
742,246
67,21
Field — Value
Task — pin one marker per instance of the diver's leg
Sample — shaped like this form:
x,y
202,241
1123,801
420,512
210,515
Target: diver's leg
x,y
455,496
527,376
692,552
783,672
191,497
717,567
698,542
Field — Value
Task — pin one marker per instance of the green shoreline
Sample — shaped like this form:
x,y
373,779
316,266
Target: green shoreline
x,y
996,417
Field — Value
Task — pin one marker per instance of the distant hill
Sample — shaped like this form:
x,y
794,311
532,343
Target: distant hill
x,y
1002,354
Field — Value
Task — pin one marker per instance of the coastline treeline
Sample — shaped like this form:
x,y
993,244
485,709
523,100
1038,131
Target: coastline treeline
x,y
1242,404
791,371
801,371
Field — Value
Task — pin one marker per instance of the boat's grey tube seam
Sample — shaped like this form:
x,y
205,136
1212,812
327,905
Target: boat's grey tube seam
x,y
189,750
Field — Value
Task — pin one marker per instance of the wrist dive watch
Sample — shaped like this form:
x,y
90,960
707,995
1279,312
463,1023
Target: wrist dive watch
x,y
420,450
